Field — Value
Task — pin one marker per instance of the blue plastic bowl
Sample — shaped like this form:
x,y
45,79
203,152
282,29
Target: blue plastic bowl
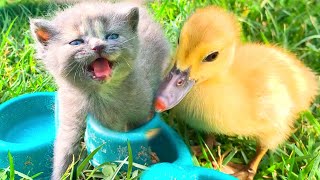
x,y
163,141
27,130
174,155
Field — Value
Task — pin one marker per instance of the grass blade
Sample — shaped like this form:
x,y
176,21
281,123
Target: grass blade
x,y
313,121
315,168
306,39
203,150
8,31
72,168
130,160
23,175
210,153
140,166
3,173
119,167
11,166
87,159
36,175
230,156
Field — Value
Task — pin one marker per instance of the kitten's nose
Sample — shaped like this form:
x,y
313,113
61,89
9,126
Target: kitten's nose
x,y
98,48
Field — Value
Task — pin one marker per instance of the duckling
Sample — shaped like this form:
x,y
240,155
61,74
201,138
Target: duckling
x,y
220,85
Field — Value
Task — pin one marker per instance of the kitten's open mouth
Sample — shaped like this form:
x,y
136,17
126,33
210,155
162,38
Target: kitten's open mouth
x,y
100,69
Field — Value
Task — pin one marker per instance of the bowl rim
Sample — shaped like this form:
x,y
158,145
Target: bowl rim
x,y
153,123
19,147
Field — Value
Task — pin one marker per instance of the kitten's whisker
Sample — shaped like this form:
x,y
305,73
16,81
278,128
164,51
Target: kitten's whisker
x,y
86,64
128,40
127,63
77,72
67,68
127,47
74,75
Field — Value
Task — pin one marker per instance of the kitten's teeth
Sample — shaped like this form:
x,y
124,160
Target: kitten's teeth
x,y
93,77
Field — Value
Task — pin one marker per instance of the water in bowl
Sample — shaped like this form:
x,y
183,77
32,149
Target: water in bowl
x,y
39,128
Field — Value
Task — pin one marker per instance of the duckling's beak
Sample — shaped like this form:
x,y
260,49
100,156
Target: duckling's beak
x,y
173,89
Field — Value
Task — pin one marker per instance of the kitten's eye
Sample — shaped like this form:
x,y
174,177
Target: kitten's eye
x,y
211,57
76,42
112,36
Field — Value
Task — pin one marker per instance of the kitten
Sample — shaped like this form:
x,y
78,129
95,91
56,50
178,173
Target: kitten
x,y
107,59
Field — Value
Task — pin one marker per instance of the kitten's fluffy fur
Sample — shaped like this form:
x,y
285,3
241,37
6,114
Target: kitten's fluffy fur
x,y
139,57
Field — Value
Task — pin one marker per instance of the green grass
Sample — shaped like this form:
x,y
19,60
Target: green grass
x,y
293,24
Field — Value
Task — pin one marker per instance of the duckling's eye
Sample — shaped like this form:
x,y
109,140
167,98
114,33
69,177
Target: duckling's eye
x,y
112,36
76,42
181,82
211,57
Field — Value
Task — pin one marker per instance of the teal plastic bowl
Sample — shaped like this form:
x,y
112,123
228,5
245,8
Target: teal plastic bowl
x,y
27,130
28,126
155,136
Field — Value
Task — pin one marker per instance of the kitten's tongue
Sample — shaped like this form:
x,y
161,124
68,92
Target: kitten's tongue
x,y
101,68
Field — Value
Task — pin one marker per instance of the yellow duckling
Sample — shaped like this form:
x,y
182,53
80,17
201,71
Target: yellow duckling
x,y
231,88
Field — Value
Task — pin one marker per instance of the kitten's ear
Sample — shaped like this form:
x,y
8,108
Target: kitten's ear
x,y
133,18
42,30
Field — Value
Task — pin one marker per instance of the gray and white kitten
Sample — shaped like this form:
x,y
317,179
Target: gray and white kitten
x,y
107,59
